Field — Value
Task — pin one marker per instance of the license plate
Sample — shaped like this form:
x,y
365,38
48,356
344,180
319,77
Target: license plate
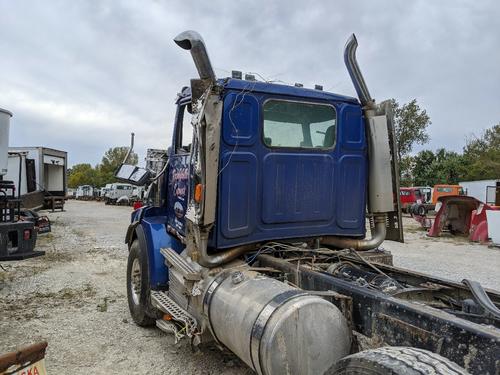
x,y
37,368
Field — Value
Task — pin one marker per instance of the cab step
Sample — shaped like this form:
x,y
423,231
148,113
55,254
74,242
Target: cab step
x,y
177,320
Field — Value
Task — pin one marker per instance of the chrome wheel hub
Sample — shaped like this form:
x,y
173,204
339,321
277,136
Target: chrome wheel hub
x,y
135,281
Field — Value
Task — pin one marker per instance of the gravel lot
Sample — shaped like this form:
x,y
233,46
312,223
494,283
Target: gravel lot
x,y
75,296
453,258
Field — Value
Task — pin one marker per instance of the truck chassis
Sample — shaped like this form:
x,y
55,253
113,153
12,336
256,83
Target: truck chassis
x,y
427,312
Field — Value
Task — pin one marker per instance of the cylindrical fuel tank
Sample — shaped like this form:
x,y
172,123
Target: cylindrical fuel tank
x,y
4,139
273,327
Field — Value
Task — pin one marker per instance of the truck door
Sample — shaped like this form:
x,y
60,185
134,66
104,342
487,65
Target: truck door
x,y
179,169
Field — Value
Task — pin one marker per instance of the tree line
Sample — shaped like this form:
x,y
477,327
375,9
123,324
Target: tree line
x,y
104,172
478,160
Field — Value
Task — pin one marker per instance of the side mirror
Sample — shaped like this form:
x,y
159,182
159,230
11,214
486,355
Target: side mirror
x,y
132,174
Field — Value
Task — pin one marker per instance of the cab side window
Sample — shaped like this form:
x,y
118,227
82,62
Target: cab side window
x,y
184,130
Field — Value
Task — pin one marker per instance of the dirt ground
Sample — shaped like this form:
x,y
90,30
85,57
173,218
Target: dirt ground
x,y
75,296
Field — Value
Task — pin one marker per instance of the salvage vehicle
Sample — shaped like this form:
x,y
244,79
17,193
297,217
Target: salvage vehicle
x,y
258,239
460,215
119,194
444,191
18,229
85,192
430,198
410,196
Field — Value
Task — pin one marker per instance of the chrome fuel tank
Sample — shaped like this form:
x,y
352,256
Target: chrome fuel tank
x,y
273,327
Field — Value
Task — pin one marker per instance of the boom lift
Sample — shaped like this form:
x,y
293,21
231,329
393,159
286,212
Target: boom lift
x,y
257,235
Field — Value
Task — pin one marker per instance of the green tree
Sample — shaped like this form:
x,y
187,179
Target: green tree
x,y
423,168
441,167
482,155
406,166
449,167
410,126
102,174
82,174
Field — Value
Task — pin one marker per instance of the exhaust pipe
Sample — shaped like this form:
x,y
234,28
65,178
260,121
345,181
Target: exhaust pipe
x,y
355,73
380,184
378,236
215,260
193,42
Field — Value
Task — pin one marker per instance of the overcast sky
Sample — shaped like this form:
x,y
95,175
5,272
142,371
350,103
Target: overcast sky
x,y
81,75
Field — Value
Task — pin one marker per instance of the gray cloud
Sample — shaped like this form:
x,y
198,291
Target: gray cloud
x,y
81,75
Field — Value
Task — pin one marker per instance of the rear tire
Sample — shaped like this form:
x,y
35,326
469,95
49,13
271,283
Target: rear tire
x,y
394,360
421,210
138,291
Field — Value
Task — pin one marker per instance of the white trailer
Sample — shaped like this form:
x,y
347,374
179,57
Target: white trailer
x,y
487,191
43,173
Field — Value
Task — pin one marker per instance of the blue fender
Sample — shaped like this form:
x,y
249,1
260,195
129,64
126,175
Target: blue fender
x,y
152,234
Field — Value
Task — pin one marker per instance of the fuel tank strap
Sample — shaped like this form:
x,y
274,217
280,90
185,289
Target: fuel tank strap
x,y
260,324
207,298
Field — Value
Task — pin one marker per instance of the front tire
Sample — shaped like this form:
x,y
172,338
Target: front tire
x,y
421,210
394,360
138,291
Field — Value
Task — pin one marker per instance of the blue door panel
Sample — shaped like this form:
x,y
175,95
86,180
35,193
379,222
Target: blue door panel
x,y
297,188
353,130
241,119
239,194
352,178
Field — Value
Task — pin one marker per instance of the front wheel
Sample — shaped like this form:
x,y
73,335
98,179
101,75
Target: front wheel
x,y
393,360
138,291
421,210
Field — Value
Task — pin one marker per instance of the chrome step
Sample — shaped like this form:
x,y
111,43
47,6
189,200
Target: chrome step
x,y
174,260
186,323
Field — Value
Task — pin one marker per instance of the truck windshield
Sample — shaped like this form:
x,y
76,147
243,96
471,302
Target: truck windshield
x,y
299,125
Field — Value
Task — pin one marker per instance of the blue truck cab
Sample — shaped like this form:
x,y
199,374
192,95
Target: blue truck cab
x,y
292,164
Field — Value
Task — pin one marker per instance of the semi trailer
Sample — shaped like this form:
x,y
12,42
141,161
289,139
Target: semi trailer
x,y
257,241
41,173
18,233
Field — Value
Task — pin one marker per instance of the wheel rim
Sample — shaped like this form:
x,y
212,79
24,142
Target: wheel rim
x,y
135,281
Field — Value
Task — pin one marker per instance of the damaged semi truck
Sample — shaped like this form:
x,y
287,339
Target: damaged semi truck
x,y
256,239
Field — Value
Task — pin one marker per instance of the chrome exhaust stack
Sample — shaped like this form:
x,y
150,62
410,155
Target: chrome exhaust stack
x,y
355,73
192,41
381,191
